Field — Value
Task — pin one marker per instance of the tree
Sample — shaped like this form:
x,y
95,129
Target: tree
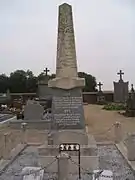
x,y
21,81
4,83
90,82
18,81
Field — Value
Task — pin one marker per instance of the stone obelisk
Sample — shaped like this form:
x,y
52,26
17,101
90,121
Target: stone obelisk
x,y
67,103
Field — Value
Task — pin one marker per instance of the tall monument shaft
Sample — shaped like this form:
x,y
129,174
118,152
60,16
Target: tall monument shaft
x,y
66,63
66,53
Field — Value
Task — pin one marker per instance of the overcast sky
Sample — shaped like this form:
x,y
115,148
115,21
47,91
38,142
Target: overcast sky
x,y
104,33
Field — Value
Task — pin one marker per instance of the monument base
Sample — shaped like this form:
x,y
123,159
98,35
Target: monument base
x,y
31,124
66,82
88,151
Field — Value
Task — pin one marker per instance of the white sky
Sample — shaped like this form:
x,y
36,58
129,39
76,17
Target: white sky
x,y
104,32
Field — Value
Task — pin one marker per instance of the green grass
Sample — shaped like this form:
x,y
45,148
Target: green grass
x,y
114,107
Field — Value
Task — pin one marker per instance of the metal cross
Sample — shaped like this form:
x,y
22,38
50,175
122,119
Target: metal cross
x,y
120,73
46,71
100,85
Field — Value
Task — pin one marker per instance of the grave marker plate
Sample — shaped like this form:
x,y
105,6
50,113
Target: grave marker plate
x,y
67,108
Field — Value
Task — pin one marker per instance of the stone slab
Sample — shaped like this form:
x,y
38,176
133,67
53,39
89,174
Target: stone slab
x,y
120,91
66,136
31,124
33,112
89,163
123,150
67,109
33,176
4,164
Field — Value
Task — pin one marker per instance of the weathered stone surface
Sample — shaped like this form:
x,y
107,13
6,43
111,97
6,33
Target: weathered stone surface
x,y
67,109
33,176
66,136
33,112
120,91
131,147
110,158
44,92
66,66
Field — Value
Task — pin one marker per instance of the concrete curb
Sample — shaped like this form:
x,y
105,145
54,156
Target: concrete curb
x,y
123,151
105,143
8,120
4,164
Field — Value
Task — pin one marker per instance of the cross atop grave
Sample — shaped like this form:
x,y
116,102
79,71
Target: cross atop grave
x,y
120,73
100,85
46,70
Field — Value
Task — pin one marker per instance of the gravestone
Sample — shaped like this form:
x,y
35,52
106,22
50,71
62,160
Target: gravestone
x,y
67,102
100,95
130,104
120,89
33,112
45,92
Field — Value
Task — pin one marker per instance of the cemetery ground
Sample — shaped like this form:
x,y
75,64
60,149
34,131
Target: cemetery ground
x,y
100,124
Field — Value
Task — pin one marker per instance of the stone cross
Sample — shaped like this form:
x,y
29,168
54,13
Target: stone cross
x,y
120,73
46,71
100,85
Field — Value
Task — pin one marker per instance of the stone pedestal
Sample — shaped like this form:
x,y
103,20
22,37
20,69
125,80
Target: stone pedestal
x,y
63,166
88,151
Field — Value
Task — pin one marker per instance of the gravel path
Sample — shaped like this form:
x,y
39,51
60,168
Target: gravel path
x,y
110,159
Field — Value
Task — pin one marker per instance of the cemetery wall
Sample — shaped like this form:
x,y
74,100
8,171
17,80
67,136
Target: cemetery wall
x,y
89,97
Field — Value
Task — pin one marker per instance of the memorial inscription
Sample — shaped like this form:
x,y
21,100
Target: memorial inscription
x,y
67,109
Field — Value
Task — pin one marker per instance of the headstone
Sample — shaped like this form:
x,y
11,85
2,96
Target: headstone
x,y
130,104
33,112
67,102
100,95
43,90
120,89
28,173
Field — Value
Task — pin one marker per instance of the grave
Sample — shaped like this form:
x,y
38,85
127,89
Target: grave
x,y
100,95
45,92
130,104
67,103
120,90
33,111
35,116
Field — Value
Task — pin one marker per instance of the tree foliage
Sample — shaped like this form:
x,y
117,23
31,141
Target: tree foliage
x,y
21,81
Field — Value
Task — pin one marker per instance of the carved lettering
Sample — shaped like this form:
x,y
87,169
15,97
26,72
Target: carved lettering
x,y
67,110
